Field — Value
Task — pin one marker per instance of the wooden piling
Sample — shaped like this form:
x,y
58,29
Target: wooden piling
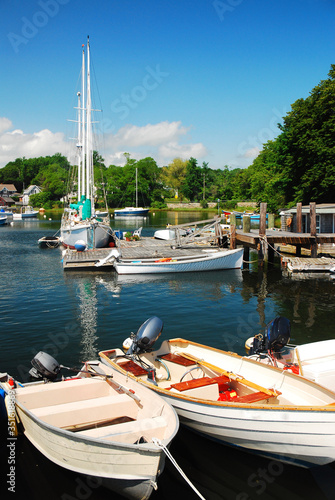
x,y
246,223
299,217
232,236
314,245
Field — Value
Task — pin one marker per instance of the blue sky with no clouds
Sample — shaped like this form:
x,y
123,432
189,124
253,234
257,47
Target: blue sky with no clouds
x,y
204,78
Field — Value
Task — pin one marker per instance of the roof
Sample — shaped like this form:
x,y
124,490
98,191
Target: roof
x,y
30,188
9,187
321,208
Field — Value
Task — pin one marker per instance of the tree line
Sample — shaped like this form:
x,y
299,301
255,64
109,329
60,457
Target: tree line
x,y
297,166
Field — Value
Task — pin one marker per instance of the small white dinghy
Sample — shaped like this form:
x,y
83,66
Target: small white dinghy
x,y
98,424
233,399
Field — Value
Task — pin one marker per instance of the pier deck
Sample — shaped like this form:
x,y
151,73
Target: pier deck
x,y
273,236
145,248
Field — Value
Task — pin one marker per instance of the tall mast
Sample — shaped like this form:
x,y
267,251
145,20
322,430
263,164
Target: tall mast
x,y
136,190
83,149
89,152
79,148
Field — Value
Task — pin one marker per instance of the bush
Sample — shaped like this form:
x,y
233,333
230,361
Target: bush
x,y
158,205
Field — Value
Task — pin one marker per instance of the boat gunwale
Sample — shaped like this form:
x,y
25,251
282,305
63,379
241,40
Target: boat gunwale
x,y
326,408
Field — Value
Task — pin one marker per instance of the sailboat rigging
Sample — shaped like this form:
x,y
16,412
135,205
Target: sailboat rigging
x,y
80,223
132,211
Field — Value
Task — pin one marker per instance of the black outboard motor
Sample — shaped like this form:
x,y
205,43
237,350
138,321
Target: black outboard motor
x,y
276,336
44,366
146,335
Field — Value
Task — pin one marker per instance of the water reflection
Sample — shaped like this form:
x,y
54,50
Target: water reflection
x,y
88,317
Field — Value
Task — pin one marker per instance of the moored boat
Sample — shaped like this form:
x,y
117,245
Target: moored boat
x,y
208,260
49,242
314,360
3,220
232,399
135,211
97,424
80,222
26,212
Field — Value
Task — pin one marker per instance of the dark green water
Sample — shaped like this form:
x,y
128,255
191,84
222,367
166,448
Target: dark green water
x,y
73,315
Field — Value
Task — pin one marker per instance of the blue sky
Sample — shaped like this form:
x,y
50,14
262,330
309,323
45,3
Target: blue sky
x,y
204,78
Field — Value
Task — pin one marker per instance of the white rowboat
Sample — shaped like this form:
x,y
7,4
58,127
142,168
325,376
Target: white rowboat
x,y
206,261
100,426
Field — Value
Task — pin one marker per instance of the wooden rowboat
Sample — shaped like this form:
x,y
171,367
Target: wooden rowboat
x,y
234,400
102,426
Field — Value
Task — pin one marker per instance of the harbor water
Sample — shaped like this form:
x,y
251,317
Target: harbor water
x,y
72,315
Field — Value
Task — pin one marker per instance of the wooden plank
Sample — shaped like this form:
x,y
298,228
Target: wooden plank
x,y
200,382
179,360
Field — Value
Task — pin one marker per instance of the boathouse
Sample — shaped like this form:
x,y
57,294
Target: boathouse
x,y
325,218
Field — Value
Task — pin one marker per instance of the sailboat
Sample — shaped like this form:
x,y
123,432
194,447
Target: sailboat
x,y
81,226
132,211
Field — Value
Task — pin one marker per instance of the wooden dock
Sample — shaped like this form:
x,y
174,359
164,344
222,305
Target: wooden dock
x,y
145,248
309,265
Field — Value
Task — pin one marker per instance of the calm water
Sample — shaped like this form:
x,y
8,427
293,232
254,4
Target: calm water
x,y
73,315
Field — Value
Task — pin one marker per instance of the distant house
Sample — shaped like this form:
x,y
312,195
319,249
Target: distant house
x,y
6,193
28,192
325,218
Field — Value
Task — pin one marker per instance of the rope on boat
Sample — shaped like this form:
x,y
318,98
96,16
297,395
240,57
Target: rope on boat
x,y
158,443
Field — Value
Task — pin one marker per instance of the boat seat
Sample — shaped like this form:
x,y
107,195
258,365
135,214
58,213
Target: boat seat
x,y
176,358
254,397
130,431
66,391
132,367
79,413
199,382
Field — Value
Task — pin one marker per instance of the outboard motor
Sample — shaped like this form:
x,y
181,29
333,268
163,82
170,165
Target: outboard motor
x,y
276,336
44,366
277,333
146,336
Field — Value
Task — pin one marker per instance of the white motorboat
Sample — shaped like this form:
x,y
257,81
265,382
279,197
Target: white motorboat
x,y
26,212
315,360
80,222
98,424
233,399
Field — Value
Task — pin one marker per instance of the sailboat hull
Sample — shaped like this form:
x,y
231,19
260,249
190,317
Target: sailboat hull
x,y
95,235
131,212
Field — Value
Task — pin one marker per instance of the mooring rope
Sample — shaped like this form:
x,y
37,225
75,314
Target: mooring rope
x,y
158,443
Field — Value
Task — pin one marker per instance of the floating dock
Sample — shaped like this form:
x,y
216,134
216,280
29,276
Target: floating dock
x,y
309,265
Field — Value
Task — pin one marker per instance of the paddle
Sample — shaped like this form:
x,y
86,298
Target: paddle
x,y
231,375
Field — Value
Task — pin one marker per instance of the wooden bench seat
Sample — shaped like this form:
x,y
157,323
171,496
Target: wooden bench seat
x,y
133,368
254,397
176,358
199,382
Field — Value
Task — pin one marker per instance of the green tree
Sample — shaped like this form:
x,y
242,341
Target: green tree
x,y
192,187
173,176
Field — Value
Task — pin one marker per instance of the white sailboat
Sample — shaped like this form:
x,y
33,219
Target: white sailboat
x,y
132,211
80,223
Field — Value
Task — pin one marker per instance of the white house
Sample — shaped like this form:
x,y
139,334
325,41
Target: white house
x,y
28,192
